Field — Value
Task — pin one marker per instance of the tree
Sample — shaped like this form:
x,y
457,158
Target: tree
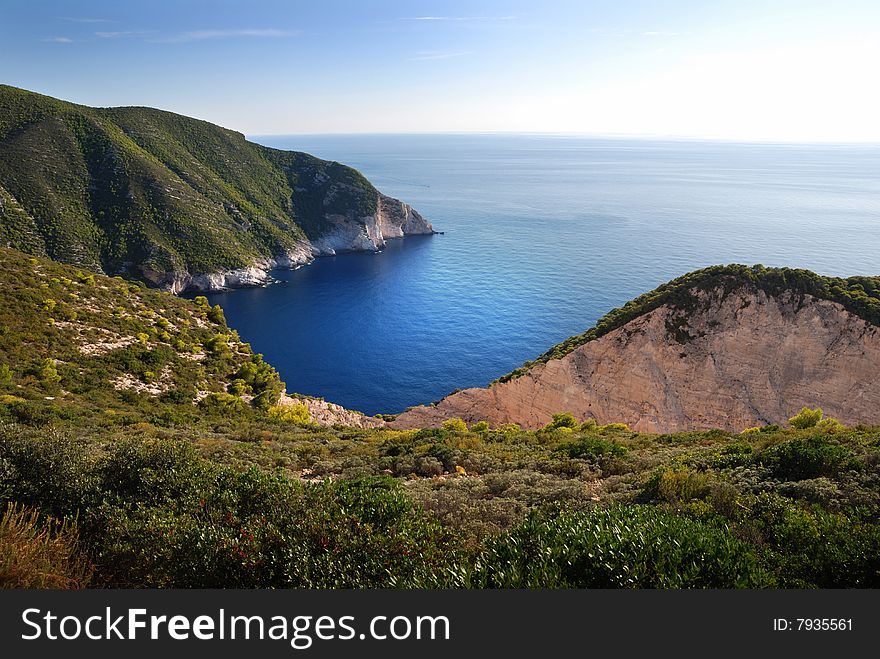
x,y
5,375
49,374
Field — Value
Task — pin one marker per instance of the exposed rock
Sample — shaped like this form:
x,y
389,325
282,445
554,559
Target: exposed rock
x,y
329,414
737,360
392,219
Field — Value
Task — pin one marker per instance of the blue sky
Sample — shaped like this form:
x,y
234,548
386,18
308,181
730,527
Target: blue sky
x,y
764,70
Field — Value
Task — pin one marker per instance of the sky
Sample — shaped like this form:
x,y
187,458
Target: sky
x,y
766,70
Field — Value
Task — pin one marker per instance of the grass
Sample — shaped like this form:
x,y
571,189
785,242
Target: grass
x,y
39,552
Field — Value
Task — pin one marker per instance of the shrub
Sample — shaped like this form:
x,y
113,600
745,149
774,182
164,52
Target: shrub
x,y
37,552
806,418
223,404
455,425
812,457
814,548
562,420
590,448
46,470
622,427
480,426
238,387
589,424
215,315
830,425
5,375
297,413
676,485
49,374
621,547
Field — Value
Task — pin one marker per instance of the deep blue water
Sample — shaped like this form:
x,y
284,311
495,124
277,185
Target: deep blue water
x,y
543,235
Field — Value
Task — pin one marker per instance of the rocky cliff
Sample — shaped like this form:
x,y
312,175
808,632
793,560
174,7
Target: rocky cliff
x,y
176,202
730,351
330,414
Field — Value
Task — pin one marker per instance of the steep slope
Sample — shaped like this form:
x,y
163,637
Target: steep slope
x,y
174,201
75,345
726,347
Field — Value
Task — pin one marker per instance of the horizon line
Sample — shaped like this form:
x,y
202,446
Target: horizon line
x,y
574,134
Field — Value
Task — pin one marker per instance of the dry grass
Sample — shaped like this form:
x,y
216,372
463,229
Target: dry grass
x,y
39,552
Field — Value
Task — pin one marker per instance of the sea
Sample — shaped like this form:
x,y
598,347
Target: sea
x,y
542,235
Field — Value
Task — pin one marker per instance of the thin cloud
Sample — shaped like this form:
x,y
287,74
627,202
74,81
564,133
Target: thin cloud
x,y
204,35
85,20
659,33
120,33
460,18
433,55
57,40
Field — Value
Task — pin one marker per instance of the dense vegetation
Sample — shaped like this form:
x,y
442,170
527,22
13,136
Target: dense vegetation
x,y
260,503
128,190
859,295
75,345
141,445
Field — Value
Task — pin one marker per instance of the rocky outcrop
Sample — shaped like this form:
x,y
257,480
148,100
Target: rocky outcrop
x,y
330,414
392,219
345,233
736,359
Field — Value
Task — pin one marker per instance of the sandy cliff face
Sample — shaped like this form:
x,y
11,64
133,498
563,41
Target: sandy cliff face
x,y
739,360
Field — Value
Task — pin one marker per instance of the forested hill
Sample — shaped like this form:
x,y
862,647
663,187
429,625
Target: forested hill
x,y
167,198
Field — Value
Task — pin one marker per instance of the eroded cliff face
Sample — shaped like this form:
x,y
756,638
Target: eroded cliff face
x,y
345,233
392,219
737,360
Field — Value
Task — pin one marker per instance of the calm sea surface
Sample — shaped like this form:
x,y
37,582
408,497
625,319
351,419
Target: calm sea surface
x,y
543,235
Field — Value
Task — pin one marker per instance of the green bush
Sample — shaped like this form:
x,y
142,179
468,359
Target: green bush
x,y
47,471
808,547
215,315
811,457
562,420
590,448
621,547
5,375
223,404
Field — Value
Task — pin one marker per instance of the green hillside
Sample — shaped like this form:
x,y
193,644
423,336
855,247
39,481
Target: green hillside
x,y
859,295
76,347
120,190
139,447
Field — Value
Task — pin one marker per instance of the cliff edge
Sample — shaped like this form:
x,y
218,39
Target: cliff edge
x,y
176,202
728,347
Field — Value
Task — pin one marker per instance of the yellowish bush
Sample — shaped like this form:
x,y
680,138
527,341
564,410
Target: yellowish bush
x,y
455,425
297,413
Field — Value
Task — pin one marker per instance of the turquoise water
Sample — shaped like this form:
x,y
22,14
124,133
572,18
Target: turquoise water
x,y
543,235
